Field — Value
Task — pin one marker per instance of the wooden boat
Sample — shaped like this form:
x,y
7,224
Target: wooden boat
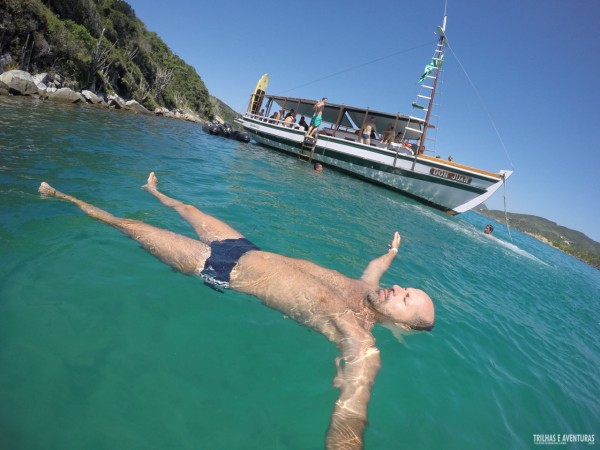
x,y
402,164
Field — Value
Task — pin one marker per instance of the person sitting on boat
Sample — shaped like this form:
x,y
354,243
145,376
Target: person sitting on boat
x,y
386,136
317,117
343,309
303,123
274,117
289,119
365,132
399,140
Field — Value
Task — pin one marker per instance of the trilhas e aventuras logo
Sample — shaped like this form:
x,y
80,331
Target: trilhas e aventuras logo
x,y
563,439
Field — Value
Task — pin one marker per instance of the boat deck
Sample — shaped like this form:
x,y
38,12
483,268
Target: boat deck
x,y
352,135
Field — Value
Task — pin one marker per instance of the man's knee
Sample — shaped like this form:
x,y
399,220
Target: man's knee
x,y
129,224
187,208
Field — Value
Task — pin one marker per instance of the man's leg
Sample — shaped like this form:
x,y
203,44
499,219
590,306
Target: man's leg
x,y
207,227
181,253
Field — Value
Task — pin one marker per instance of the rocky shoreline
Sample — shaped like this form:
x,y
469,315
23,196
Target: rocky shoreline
x,y
52,88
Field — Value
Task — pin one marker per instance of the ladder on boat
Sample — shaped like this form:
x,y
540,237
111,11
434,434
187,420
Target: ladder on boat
x,y
307,150
424,99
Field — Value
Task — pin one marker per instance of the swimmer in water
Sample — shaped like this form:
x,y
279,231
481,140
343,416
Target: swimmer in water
x,y
343,309
488,229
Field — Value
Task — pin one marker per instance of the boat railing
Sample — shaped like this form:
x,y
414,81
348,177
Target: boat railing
x,y
352,135
347,134
256,117
342,133
279,122
401,148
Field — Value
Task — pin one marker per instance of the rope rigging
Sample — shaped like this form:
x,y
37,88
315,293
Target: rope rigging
x,y
484,108
358,66
495,129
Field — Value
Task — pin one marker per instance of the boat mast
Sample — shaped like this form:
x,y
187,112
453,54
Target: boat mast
x,y
439,53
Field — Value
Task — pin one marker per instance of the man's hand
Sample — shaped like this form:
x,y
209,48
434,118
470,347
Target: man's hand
x,y
376,268
395,242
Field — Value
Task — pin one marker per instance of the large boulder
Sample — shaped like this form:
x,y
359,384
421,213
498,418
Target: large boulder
x,y
90,97
19,82
161,111
65,95
40,78
114,101
3,88
57,80
134,106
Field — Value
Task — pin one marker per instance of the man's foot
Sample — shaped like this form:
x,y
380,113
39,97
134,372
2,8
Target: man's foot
x,y
46,189
151,183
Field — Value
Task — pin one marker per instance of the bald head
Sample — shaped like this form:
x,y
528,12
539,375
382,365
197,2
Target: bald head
x,y
425,311
407,308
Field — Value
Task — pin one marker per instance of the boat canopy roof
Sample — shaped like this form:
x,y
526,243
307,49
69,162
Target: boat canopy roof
x,y
352,116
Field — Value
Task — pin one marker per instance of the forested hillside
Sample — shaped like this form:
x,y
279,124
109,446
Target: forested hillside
x,y
102,46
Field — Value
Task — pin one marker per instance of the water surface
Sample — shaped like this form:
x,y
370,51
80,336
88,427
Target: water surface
x,y
104,347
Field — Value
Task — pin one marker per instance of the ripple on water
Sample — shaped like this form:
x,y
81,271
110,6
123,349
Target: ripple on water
x,y
98,334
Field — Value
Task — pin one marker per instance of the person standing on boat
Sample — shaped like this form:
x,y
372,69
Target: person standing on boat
x,y
317,117
281,117
388,134
343,309
368,128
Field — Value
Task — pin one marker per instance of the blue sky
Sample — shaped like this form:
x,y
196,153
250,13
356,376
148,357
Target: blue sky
x,y
534,106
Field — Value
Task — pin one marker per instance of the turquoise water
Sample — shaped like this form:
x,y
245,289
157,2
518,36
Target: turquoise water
x,y
104,347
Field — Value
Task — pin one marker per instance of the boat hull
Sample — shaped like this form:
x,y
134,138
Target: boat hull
x,y
450,187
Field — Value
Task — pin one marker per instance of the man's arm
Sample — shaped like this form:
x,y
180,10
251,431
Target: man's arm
x,y
376,268
357,368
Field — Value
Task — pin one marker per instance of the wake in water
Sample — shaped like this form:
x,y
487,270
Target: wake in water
x,y
513,248
470,231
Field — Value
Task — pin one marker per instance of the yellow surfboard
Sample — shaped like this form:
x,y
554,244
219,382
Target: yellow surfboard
x,y
258,94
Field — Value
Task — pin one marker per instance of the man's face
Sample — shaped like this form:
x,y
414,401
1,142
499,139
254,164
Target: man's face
x,y
405,307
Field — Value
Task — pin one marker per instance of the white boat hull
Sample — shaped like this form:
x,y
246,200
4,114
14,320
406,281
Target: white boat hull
x,y
439,183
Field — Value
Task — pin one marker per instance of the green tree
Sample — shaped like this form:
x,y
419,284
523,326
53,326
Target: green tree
x,y
99,44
